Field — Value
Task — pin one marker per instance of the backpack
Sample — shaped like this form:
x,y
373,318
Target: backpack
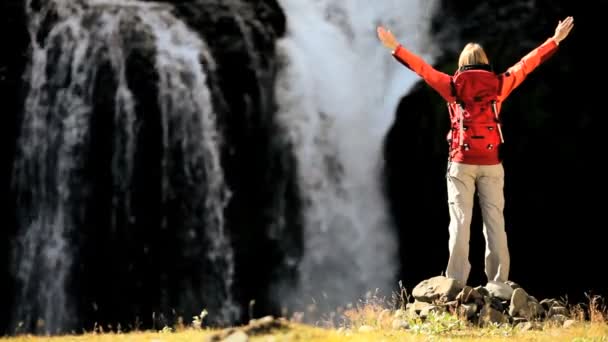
x,y
474,126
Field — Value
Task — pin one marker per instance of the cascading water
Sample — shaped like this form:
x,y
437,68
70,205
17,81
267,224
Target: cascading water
x,y
337,95
54,147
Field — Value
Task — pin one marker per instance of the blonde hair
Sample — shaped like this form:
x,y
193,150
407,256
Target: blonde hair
x,y
472,53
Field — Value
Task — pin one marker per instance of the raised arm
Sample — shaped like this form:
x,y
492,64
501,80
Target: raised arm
x,y
516,74
434,78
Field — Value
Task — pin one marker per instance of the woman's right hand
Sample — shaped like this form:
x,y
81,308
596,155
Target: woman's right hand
x,y
387,38
563,28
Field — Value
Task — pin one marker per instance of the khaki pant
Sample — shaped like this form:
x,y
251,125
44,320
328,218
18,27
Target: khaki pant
x,y
462,181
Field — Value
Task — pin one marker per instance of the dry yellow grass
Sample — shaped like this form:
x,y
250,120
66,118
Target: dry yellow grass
x,y
373,321
296,332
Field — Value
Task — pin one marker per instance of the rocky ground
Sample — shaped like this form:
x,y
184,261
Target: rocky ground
x,y
494,303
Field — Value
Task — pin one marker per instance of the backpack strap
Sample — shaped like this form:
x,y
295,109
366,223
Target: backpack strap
x,y
453,89
458,115
495,110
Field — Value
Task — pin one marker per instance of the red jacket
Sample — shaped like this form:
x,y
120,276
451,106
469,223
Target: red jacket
x,y
510,79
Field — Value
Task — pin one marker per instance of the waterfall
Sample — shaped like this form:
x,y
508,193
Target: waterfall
x,y
337,92
52,171
185,102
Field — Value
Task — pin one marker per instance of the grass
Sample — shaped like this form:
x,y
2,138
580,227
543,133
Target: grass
x,y
299,332
371,320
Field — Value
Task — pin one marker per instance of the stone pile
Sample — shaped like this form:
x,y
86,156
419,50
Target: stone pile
x,y
496,302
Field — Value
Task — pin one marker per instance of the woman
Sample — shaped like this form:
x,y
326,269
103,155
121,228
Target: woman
x,y
482,173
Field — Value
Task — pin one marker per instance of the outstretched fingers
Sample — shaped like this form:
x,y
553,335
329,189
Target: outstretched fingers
x,y
382,32
567,23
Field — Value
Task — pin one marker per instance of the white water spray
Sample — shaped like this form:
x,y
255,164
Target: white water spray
x,y
337,93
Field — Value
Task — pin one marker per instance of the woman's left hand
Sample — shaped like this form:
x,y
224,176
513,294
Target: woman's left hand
x,y
387,38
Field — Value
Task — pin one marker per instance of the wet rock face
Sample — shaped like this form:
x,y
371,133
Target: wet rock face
x,y
14,41
240,36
